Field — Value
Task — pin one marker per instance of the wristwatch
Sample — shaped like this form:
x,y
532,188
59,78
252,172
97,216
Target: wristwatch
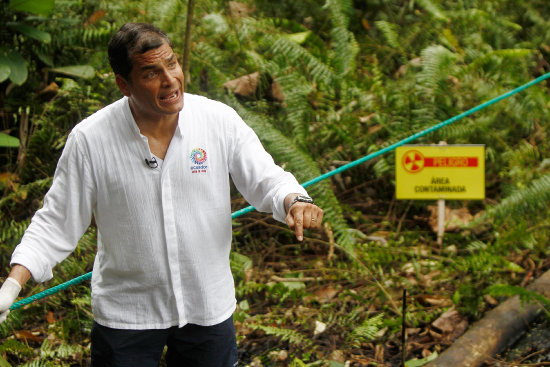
x,y
301,199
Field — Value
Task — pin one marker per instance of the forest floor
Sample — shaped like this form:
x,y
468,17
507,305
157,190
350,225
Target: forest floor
x,y
312,303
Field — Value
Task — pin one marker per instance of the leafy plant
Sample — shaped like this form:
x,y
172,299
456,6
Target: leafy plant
x,y
366,331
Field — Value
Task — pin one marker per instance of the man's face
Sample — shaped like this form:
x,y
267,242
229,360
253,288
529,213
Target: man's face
x,y
155,85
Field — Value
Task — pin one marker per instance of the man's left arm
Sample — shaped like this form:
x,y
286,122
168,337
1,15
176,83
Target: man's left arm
x,y
302,214
264,184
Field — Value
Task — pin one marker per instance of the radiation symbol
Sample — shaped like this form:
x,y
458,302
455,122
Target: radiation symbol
x,y
413,161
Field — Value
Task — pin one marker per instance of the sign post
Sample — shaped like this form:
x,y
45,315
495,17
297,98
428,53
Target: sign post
x,y
440,172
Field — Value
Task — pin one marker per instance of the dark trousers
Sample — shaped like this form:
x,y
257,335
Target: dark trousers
x,y
188,346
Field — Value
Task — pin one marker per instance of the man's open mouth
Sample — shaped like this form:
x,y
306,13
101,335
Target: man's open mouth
x,y
170,97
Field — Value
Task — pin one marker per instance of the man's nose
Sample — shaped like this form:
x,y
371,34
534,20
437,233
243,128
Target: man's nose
x,y
167,78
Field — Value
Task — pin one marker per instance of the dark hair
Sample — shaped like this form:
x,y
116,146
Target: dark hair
x,y
133,38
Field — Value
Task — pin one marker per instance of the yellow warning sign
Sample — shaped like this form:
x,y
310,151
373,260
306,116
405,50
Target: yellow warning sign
x,y
440,172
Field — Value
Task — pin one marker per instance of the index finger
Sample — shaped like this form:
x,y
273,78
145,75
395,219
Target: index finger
x,y
298,216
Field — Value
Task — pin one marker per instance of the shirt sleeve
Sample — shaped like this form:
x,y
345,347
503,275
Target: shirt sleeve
x,y
56,228
262,183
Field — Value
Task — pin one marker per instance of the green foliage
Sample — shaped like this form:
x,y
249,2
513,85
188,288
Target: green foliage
x,y
367,330
50,351
469,300
32,6
8,141
285,335
532,199
15,347
356,77
525,296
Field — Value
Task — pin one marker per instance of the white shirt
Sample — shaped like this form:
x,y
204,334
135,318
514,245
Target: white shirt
x,y
164,233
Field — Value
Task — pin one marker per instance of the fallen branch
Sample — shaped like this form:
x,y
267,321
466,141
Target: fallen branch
x,y
498,330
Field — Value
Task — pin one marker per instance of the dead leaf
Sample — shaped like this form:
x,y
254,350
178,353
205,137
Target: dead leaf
x,y
365,23
278,355
490,300
453,80
379,353
337,356
239,10
381,332
244,86
434,300
49,91
248,86
435,335
28,336
50,317
97,15
248,273
320,327
277,92
408,268
417,61
401,71
5,177
365,119
454,218
325,294
373,129
450,324
447,321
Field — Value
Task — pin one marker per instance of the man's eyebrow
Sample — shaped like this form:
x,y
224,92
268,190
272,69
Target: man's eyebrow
x,y
149,67
154,66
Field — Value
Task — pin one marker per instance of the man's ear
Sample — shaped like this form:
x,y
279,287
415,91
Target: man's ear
x,y
122,85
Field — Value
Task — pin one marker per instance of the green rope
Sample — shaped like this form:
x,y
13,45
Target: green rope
x,y
50,291
345,167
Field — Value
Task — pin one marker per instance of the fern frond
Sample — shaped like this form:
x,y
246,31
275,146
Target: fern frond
x,y
478,17
366,331
12,231
433,9
93,36
97,35
49,350
39,363
391,33
500,57
523,203
344,45
476,246
297,54
286,335
383,168
526,296
482,263
437,62
297,89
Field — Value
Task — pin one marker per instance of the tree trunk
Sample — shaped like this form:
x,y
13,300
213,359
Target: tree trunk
x,y
498,330
187,45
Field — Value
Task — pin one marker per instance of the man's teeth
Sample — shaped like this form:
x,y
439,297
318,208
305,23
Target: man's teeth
x,y
170,96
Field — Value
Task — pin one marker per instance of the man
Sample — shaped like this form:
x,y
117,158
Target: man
x,y
154,172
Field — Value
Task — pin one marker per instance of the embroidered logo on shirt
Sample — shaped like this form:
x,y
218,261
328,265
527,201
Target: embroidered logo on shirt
x,y
198,157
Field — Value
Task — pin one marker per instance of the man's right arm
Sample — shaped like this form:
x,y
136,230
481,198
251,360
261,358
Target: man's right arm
x,y
19,275
66,214
56,228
